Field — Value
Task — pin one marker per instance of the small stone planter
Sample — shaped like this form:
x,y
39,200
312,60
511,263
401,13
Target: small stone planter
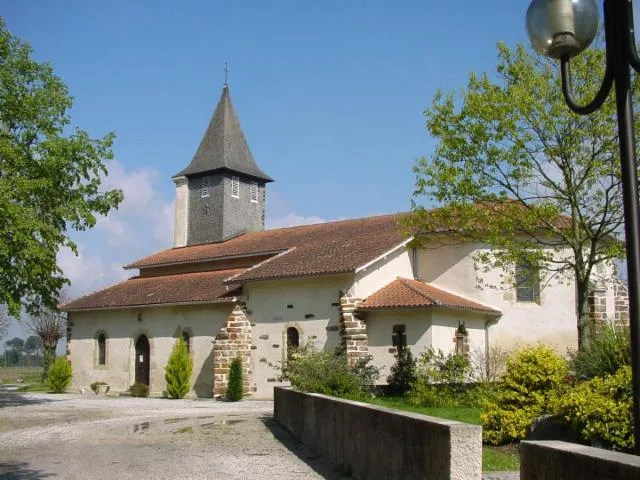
x,y
100,388
103,389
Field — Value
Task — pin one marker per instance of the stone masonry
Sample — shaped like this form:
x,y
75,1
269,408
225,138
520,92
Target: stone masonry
x,y
353,330
621,298
598,304
233,340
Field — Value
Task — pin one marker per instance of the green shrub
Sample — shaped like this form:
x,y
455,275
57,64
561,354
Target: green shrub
x,y
60,375
403,373
177,373
139,390
436,367
367,374
314,371
440,380
608,350
530,383
235,389
600,410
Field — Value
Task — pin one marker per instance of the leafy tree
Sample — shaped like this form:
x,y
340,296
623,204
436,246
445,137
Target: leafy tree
x,y
49,178
516,170
235,389
15,350
178,370
50,326
33,346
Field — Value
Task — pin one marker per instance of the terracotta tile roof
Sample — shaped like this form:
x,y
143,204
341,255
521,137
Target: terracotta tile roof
x,y
206,287
405,293
318,249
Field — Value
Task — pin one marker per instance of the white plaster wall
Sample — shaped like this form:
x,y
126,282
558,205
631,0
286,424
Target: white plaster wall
x,y
382,272
380,328
424,329
181,207
161,325
553,321
270,317
446,322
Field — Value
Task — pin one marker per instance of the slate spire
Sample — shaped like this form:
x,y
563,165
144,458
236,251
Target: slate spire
x,y
224,146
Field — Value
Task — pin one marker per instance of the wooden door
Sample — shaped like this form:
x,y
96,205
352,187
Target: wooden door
x,y
142,360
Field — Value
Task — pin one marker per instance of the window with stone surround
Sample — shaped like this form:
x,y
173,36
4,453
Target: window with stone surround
x,y
462,340
102,349
293,340
235,187
527,282
254,192
399,337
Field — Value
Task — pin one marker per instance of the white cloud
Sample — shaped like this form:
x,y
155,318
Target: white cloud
x,y
88,273
142,224
281,214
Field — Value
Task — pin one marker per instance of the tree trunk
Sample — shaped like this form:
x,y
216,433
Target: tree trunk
x,y
49,357
585,322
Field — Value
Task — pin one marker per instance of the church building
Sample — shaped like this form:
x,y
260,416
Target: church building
x,y
230,288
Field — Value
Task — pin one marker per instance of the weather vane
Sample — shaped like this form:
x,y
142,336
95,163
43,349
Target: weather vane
x,y
226,74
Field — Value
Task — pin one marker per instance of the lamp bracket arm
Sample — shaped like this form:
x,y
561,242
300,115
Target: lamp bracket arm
x,y
596,103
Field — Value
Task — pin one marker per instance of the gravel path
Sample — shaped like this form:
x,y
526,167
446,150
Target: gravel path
x,y
85,436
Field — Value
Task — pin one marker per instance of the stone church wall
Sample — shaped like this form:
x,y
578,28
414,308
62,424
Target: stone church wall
x,y
162,325
310,305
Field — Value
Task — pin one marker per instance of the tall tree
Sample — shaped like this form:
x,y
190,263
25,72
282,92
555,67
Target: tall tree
x,y
15,350
50,325
33,346
514,168
49,178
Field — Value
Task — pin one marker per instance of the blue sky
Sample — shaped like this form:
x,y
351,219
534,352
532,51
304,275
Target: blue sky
x,y
330,95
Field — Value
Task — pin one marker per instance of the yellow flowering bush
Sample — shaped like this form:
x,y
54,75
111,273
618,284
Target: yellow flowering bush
x,y
529,387
600,410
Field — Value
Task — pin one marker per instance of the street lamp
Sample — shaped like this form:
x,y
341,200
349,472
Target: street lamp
x,y
561,29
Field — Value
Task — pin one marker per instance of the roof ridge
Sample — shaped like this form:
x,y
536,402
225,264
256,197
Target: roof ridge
x,y
333,222
229,280
418,291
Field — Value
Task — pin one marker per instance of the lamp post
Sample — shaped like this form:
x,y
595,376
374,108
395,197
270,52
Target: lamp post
x,y
561,29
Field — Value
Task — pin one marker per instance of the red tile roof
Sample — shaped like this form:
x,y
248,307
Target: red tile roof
x,y
323,248
405,293
205,287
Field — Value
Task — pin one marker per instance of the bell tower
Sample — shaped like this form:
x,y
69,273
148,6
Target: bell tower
x,y
221,193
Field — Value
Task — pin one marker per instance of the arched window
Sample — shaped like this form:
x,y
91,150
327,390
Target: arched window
x,y
102,349
293,338
186,337
527,282
399,337
462,340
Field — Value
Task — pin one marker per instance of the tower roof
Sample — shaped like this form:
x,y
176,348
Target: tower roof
x,y
224,146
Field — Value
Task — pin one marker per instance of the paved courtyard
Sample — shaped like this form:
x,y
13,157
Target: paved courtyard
x,y
86,436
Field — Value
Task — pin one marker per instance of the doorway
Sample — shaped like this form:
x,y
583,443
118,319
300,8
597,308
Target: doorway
x,y
142,360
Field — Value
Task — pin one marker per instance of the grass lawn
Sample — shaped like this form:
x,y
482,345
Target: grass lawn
x,y
27,374
30,376
494,459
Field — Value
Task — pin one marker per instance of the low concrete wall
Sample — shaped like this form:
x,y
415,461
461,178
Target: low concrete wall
x,y
554,460
372,442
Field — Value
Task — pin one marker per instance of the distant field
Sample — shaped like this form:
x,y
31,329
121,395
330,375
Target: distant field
x,y
27,374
